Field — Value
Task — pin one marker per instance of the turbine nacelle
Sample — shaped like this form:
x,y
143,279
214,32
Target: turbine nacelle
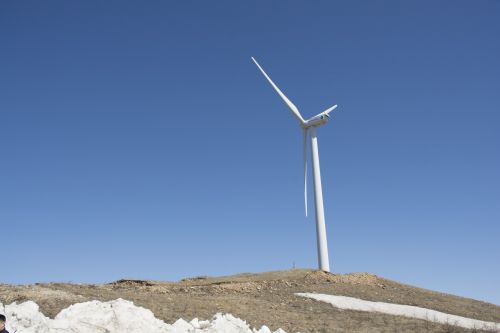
x,y
317,121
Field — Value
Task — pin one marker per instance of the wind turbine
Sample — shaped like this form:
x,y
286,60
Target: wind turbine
x,y
310,125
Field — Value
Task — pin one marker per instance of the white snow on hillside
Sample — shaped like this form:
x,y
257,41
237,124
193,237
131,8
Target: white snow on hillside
x,y
116,316
350,303
120,316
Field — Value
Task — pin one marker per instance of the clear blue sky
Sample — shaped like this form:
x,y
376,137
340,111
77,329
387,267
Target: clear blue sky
x,y
137,139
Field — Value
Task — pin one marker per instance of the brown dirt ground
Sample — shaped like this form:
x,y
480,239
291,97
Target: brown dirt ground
x,y
265,299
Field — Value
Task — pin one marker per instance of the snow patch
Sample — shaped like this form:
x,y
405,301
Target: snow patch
x,y
350,303
116,316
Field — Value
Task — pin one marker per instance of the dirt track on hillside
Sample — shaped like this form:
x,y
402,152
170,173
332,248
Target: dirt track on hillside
x,y
265,299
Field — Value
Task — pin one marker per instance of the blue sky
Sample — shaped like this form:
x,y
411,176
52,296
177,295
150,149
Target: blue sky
x,y
137,139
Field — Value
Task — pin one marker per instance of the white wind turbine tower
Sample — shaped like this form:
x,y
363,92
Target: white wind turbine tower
x,y
311,125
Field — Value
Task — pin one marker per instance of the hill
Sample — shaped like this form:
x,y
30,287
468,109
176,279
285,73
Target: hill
x,y
265,299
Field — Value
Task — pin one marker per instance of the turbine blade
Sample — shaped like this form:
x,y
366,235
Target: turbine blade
x,y
305,168
327,111
290,105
